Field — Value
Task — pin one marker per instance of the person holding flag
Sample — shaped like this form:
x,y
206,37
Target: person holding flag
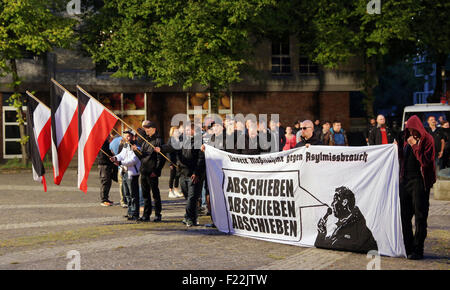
x,y
105,172
152,164
129,168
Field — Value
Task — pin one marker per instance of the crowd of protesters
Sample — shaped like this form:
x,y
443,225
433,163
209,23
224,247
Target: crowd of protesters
x,y
138,158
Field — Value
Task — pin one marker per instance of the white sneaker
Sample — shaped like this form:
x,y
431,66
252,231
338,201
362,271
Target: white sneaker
x,y
172,194
177,193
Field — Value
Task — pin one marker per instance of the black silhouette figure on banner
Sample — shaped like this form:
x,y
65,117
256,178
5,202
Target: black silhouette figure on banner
x,y
351,233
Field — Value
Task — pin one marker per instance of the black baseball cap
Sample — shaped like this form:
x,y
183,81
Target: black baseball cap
x,y
129,132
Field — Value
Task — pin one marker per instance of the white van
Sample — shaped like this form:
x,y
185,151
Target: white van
x,y
423,111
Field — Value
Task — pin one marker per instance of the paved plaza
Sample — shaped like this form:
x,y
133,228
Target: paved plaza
x,y
38,230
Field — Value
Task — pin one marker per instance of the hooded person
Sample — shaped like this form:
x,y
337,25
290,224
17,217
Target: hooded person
x,y
417,176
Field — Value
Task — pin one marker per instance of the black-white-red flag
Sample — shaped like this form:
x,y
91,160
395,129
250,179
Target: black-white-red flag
x,y
95,123
39,142
64,108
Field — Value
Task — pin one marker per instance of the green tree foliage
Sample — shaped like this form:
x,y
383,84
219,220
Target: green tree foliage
x,y
175,41
29,27
432,28
344,29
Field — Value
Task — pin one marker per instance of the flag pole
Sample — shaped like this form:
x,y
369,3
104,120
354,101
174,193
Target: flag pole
x,y
105,153
86,93
127,141
63,88
36,99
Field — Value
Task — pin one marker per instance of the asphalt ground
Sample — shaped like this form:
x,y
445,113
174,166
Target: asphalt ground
x,y
38,230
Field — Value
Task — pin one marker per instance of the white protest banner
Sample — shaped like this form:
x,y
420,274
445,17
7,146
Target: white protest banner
x,y
343,198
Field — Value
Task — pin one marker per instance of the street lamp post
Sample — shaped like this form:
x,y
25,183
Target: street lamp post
x,y
444,89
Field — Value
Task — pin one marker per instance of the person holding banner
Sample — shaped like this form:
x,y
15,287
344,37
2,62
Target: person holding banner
x,y
417,176
254,144
308,137
129,164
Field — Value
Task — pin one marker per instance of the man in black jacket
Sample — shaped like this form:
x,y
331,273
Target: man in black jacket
x,y
151,166
256,143
191,165
308,136
105,169
382,134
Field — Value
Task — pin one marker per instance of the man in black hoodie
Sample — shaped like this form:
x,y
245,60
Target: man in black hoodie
x,y
416,152
151,166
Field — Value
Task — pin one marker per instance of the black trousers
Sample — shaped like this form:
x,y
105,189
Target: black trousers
x,y
192,192
105,173
414,201
174,177
150,184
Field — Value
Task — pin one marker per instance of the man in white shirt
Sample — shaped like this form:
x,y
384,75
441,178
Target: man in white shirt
x,y
129,168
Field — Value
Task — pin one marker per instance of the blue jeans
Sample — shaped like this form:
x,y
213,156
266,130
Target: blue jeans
x,y
131,191
194,192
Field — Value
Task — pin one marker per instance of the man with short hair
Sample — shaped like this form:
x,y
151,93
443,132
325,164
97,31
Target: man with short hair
x,y
326,126
105,170
338,137
252,141
307,135
372,125
191,164
277,136
439,140
152,164
382,134
129,164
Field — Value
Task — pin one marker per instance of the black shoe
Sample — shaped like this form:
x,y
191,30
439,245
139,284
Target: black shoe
x,y
126,216
144,219
157,219
132,218
415,256
210,225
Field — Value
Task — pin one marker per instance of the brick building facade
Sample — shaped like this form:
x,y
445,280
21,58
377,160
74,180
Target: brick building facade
x,y
291,87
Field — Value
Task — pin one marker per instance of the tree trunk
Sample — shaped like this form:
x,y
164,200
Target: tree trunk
x,y
18,104
214,95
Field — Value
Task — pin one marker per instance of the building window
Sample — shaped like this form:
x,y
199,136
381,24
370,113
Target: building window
x,y
11,133
307,67
203,101
281,58
131,108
